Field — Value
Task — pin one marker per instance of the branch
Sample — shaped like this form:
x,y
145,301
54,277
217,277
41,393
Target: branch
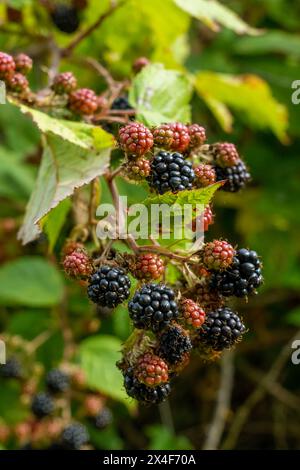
x,y
217,425
84,34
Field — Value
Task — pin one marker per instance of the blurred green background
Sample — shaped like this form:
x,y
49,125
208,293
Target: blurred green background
x,y
242,93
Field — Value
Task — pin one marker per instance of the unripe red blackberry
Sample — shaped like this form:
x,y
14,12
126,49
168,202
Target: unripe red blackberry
x,y
71,246
151,370
64,83
135,139
17,83
192,313
78,265
102,103
197,135
93,404
148,266
217,255
7,65
204,220
138,169
181,137
163,136
83,101
204,175
23,63
140,63
225,154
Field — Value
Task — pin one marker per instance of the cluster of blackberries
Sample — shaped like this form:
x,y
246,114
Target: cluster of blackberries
x,y
14,71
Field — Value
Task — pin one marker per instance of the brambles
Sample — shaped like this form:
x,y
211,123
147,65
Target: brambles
x,y
181,137
74,436
143,393
192,313
64,83
153,307
23,63
205,175
148,266
109,286
138,169
83,101
170,172
77,264
65,18
42,405
236,177
243,276
225,154
135,139
217,255
151,370
197,135
12,369
7,65
222,329
57,381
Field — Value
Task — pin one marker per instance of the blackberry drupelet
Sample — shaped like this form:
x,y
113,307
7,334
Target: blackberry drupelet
x,y
236,177
83,101
64,83
12,369
174,343
151,370
109,286
135,139
74,436
222,329
42,405
204,175
243,276
103,419
65,18
170,172
143,393
148,266
153,307
57,381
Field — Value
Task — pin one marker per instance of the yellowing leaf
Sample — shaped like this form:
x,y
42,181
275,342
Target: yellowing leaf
x,y
248,94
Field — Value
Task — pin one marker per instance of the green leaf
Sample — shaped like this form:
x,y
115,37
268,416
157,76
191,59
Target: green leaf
x,y
271,41
29,323
16,179
195,196
30,281
98,356
293,317
12,410
161,438
212,14
54,221
74,154
248,94
161,95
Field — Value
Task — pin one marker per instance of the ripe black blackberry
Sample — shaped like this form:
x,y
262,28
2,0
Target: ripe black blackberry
x,y
104,418
42,405
236,177
153,307
12,369
65,18
74,436
171,172
121,104
174,343
109,286
57,381
243,276
143,393
222,329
